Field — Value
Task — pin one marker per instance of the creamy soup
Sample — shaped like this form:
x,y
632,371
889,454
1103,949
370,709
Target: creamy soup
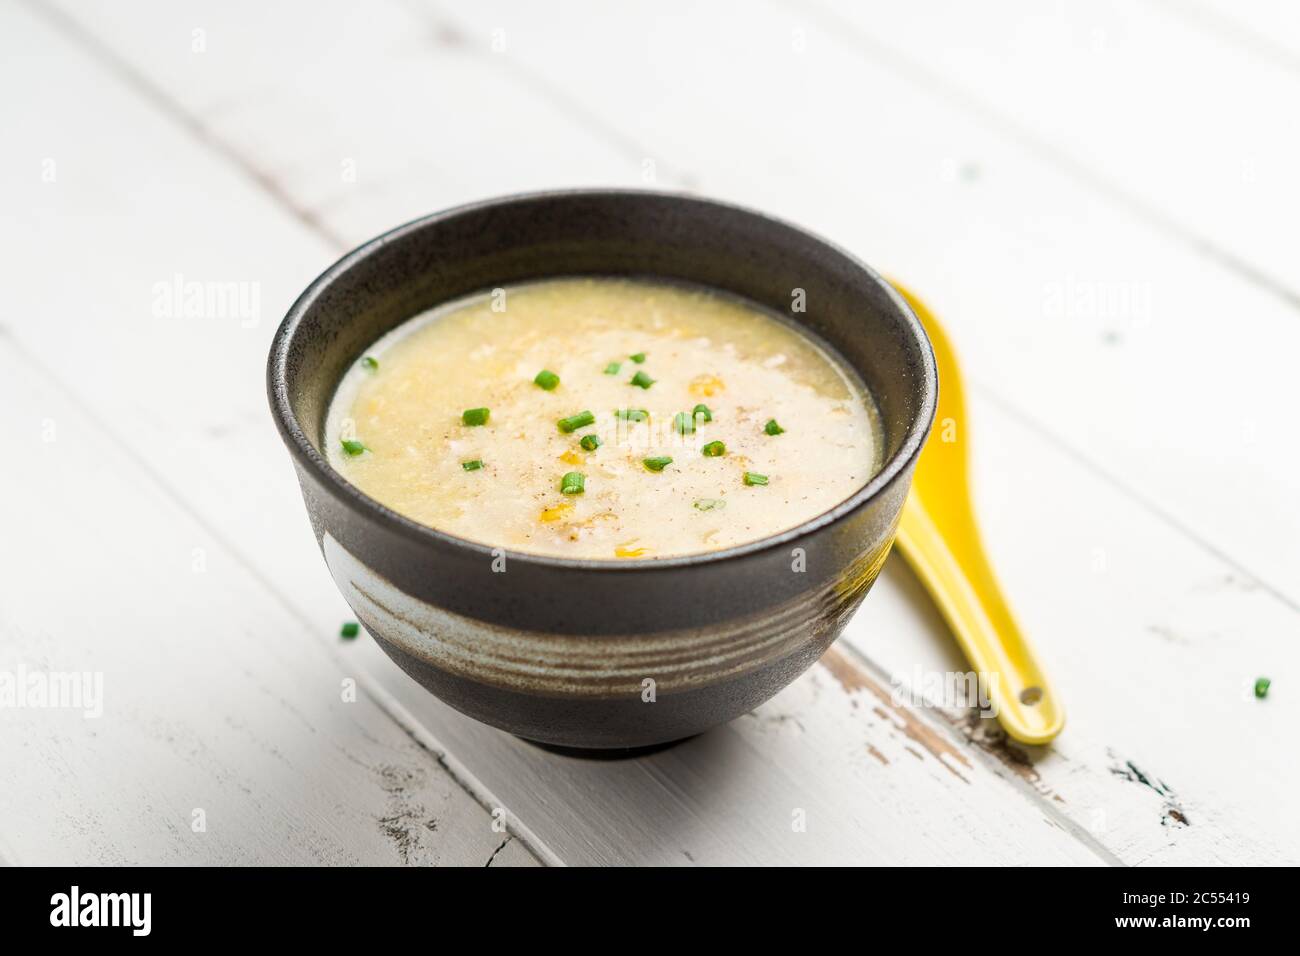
x,y
603,418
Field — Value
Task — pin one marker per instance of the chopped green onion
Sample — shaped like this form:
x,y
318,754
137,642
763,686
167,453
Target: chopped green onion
x,y
546,379
613,367
755,479
657,464
772,428
1262,685
714,449
573,483
590,442
702,412
632,414
574,422
371,363
709,504
349,630
475,416
638,358
641,380
684,423
353,447
474,465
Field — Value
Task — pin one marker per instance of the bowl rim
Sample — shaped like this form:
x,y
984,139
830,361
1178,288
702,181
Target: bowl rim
x,y
306,454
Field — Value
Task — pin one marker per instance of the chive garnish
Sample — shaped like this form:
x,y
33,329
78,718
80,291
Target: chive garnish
x,y
638,358
684,423
353,447
590,442
709,504
714,449
702,412
574,422
475,416
349,630
474,465
371,363
641,380
657,464
613,367
752,478
632,414
772,428
1262,685
546,379
573,483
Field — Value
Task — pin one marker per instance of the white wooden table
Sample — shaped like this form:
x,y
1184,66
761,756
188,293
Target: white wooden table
x,y
1099,199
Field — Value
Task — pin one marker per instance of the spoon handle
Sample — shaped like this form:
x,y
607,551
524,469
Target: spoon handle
x,y
970,600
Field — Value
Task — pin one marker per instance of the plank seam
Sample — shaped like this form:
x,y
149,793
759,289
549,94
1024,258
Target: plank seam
x,y
538,83
468,781
145,88
938,86
1221,27
1169,520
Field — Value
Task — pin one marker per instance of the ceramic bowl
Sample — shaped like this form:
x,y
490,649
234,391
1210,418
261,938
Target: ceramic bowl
x,y
584,653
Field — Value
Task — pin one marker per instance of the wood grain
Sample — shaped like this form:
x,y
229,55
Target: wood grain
x,y
220,710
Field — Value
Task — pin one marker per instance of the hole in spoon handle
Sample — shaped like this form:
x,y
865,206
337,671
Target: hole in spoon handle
x,y
1031,695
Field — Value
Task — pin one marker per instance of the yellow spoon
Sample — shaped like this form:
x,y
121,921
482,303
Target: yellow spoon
x,y
938,536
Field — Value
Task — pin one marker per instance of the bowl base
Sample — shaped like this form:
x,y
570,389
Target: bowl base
x,y
606,753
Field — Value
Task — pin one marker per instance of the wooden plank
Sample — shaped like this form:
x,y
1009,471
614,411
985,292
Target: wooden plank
x,y
215,695
211,441
340,170
217,728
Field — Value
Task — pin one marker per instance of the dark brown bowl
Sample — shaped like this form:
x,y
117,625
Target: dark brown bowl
x,y
601,654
